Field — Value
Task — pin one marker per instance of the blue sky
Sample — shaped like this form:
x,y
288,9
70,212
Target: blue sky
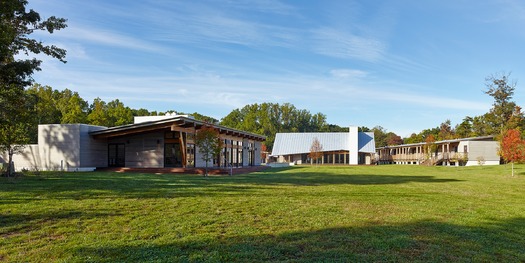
x,y
404,65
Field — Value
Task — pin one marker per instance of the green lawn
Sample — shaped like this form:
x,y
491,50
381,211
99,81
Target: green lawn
x,y
298,214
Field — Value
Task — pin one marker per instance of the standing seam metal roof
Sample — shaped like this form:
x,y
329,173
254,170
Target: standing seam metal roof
x,y
298,143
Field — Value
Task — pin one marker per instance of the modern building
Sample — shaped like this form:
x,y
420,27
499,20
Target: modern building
x,y
350,147
159,142
457,152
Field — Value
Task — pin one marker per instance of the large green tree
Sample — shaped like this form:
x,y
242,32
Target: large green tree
x,y
119,114
501,89
270,118
72,107
17,65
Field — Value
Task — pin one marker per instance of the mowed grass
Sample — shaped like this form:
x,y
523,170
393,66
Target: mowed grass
x,y
297,214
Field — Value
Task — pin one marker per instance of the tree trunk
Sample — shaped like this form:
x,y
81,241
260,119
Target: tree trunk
x,y
512,169
9,163
206,169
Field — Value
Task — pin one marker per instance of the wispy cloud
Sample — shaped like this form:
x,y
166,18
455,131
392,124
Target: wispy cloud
x,y
208,27
266,6
340,44
348,73
98,36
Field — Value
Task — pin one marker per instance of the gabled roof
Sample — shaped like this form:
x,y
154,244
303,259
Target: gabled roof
x,y
298,143
179,122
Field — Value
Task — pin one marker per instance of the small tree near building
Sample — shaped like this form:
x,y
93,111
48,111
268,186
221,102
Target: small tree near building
x,y
316,150
14,129
208,143
430,148
512,147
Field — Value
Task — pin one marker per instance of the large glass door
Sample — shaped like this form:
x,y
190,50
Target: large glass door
x,y
172,155
116,155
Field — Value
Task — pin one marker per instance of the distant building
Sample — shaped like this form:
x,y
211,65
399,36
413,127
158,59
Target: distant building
x,y
457,152
152,142
350,147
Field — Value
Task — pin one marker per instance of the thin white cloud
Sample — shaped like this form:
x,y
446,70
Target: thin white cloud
x,y
340,44
348,73
105,37
266,6
207,28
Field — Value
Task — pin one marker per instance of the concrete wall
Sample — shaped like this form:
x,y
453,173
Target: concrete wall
x,y
198,159
93,153
29,159
58,146
257,157
144,150
245,153
481,152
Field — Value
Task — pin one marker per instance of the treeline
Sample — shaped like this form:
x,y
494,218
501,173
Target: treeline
x,y
66,106
50,106
270,118
504,115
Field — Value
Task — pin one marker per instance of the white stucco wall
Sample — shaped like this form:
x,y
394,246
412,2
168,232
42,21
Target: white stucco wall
x,y
354,145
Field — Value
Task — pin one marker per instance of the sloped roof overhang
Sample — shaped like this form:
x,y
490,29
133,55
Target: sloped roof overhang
x,y
174,124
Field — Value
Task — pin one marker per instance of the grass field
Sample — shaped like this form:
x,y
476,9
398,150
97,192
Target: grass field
x,y
299,214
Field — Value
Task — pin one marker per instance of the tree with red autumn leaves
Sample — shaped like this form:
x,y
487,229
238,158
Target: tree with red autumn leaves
x,y
208,143
512,147
316,150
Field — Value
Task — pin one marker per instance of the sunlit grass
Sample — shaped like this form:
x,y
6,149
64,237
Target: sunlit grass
x,y
374,213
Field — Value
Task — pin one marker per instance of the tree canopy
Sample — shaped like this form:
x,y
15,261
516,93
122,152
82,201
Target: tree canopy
x,y
270,118
16,70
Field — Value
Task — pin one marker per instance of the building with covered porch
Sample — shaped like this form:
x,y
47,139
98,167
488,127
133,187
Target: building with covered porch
x,y
338,148
151,142
456,152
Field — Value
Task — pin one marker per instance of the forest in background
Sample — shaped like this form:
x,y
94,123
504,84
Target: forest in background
x,y
66,106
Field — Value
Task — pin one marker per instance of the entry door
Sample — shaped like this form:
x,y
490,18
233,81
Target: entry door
x,y
172,155
116,155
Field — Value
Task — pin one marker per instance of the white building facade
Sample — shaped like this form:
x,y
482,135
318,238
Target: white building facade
x,y
338,148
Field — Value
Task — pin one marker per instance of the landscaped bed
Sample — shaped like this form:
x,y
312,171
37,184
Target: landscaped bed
x,y
359,213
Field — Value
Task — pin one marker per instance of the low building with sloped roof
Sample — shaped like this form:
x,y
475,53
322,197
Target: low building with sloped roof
x,y
151,142
342,148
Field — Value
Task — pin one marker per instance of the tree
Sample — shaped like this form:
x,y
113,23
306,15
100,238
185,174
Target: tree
x,y
14,128
414,138
208,143
118,113
98,114
270,118
393,139
501,88
316,150
430,147
16,24
465,129
73,108
380,136
445,131
512,147
45,108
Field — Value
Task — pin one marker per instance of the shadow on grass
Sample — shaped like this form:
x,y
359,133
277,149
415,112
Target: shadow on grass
x,y
80,186
16,223
336,175
424,241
